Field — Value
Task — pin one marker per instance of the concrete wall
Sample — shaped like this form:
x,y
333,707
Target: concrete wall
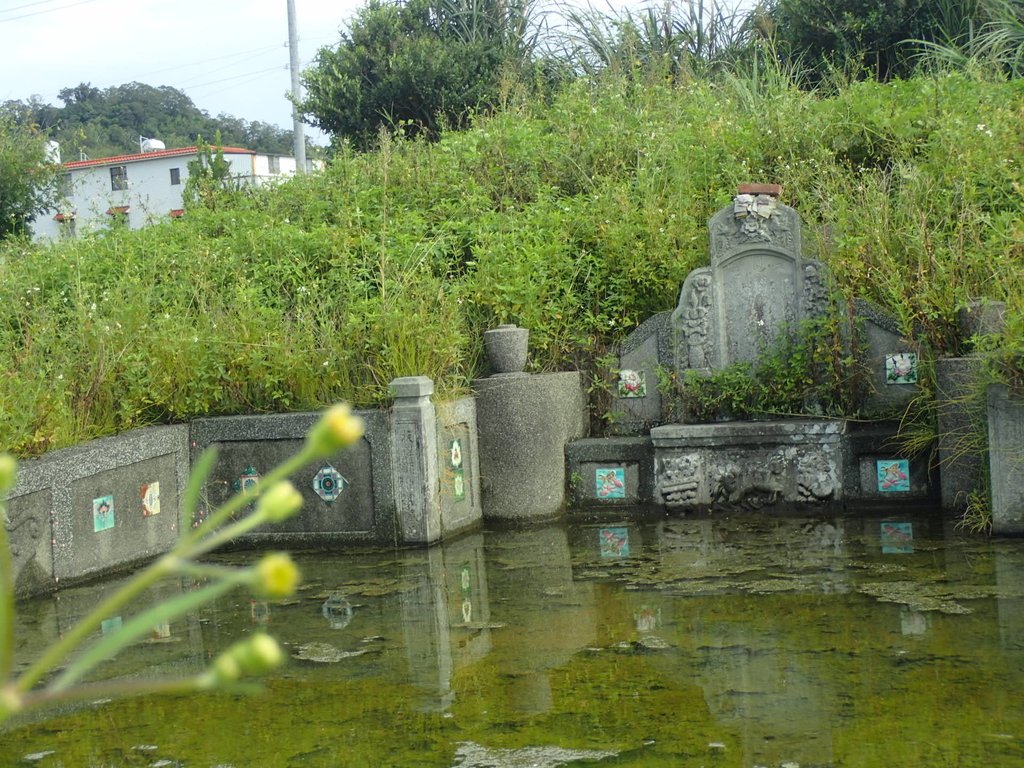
x,y
110,503
358,503
114,502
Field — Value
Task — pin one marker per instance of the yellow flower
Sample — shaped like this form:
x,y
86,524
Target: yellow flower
x,y
8,471
276,575
280,502
336,429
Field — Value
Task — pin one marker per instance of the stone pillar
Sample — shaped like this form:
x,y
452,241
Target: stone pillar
x,y
1006,459
414,460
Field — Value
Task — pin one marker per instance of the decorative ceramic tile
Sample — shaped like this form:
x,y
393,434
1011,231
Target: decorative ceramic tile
x,y
102,513
161,631
329,483
458,485
246,482
897,538
455,453
467,611
632,384
610,483
150,499
614,542
901,368
893,475
110,625
465,578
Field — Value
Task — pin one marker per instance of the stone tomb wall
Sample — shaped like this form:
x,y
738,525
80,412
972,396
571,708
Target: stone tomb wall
x,y
114,502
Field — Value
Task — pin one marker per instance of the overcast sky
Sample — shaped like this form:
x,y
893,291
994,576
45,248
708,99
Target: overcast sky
x,y
229,57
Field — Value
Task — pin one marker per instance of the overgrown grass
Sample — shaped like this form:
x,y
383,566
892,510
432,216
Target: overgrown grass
x,y
578,219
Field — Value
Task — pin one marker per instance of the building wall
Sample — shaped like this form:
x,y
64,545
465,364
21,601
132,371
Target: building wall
x,y
150,195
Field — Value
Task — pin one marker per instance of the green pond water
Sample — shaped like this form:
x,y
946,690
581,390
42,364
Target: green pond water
x,y
720,641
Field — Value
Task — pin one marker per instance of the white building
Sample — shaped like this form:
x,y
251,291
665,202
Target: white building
x,y
142,188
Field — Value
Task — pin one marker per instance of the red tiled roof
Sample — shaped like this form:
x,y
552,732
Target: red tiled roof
x,y
118,209
121,159
177,213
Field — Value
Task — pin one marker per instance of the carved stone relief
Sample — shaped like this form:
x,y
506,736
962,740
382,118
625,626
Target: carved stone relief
x,y
678,483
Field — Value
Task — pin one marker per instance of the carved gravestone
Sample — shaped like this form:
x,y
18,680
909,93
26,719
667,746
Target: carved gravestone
x,y
758,284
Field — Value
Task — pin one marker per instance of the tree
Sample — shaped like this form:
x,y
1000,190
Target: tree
x,y
873,34
416,66
29,181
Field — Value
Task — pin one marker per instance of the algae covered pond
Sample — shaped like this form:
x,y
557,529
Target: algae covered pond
x,y
742,641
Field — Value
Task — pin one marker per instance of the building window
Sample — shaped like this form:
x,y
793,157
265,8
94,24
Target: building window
x,y
118,178
275,163
66,224
175,176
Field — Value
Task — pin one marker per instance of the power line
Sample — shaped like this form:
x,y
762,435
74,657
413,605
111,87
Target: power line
x,y
40,13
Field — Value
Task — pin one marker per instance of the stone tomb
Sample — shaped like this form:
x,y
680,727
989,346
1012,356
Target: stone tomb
x,y
756,286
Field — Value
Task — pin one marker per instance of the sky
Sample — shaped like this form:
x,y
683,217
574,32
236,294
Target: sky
x,y
229,57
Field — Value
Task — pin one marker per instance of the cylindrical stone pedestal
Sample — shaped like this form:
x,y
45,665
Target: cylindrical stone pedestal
x,y
524,423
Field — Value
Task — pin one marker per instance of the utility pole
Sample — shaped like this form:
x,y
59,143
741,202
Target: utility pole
x,y
298,137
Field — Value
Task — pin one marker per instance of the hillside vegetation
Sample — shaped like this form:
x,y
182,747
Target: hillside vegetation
x,y
577,219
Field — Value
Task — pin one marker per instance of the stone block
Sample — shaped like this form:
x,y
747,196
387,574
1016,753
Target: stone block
x,y
962,429
636,400
748,465
524,424
874,466
890,359
458,452
98,507
611,472
1006,459
347,496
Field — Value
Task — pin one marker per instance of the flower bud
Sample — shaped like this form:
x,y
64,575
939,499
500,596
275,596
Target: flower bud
x,y
276,575
337,428
279,502
260,655
8,471
225,668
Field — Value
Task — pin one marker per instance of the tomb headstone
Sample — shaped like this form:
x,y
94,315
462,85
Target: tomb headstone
x,y
758,284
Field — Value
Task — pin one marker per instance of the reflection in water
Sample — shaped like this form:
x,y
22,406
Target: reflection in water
x,y
745,641
337,610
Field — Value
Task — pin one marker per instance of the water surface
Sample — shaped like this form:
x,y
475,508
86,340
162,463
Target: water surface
x,y
722,641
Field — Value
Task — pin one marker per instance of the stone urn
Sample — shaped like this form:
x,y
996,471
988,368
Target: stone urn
x,y
506,348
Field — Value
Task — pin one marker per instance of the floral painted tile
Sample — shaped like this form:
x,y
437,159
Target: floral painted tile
x,y
632,384
103,513
901,368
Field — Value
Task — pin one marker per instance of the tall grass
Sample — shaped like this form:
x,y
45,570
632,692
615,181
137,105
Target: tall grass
x,y
577,218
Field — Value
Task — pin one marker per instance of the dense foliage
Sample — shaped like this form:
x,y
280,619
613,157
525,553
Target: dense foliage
x,y
415,66
577,219
29,182
108,122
